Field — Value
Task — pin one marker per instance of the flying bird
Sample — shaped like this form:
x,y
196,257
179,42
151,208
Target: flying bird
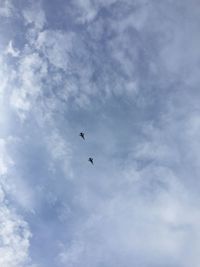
x,y
82,135
91,160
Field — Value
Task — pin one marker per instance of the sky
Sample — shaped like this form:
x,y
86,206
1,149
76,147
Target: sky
x,y
126,73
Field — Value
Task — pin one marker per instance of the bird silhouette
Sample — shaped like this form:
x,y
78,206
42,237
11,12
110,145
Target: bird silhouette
x,y
82,135
91,160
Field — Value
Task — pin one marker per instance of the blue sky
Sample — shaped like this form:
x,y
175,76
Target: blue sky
x,y
127,74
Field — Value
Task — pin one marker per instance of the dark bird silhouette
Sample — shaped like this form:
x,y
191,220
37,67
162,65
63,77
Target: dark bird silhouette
x,y
82,135
91,160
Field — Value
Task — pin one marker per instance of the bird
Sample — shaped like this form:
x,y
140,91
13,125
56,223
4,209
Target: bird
x,y
91,160
82,135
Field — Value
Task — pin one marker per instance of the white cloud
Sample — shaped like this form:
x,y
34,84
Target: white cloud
x,y
10,50
35,15
14,231
56,46
150,215
5,160
147,216
6,8
32,69
14,238
180,53
86,11
60,152
134,226
67,52
4,78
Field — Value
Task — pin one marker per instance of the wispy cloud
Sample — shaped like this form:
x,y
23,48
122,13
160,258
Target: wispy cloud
x,y
35,15
125,73
6,8
14,231
10,50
